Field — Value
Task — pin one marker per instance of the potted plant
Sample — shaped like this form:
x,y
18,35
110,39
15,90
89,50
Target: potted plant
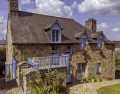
x,y
1,80
98,79
92,79
85,51
100,51
107,77
98,73
84,79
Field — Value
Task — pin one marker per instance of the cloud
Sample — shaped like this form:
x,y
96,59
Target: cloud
x,y
3,27
74,5
23,2
103,7
52,7
118,37
102,26
116,29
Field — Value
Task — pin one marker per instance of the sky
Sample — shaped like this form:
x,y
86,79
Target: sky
x,y
106,12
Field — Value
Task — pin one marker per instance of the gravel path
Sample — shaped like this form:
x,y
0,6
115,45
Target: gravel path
x,y
90,88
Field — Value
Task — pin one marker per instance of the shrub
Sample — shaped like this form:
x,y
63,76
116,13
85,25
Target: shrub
x,y
2,69
2,61
107,77
49,83
98,79
92,79
2,54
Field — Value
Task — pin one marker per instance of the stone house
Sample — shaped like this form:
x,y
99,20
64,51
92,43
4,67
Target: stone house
x,y
37,35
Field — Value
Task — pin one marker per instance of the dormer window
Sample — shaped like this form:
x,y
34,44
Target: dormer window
x,y
100,41
55,35
83,41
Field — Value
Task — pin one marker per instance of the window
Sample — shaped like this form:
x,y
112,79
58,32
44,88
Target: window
x,y
100,42
55,50
68,49
82,68
98,68
83,42
55,35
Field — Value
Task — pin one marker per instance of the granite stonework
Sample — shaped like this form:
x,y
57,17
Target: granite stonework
x,y
22,52
91,58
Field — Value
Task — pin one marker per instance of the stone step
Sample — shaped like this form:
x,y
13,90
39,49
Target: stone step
x,y
17,90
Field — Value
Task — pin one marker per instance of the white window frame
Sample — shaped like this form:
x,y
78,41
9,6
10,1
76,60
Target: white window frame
x,y
83,42
55,51
55,36
68,50
56,28
100,41
99,65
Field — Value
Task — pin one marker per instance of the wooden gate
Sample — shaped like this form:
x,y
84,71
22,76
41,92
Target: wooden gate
x,y
10,71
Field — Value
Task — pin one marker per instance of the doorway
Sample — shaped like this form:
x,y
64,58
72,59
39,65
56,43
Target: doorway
x,y
81,70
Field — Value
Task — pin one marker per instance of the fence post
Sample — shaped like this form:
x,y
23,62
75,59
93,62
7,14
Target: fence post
x,y
15,69
38,66
50,63
6,71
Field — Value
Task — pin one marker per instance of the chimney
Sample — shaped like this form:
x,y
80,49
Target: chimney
x,y
13,7
91,24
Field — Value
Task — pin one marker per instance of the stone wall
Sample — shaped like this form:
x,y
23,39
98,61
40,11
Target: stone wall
x,y
91,24
26,74
9,46
13,7
20,71
22,52
92,57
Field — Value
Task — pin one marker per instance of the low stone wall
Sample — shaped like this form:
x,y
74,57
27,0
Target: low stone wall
x,y
26,74
30,75
20,66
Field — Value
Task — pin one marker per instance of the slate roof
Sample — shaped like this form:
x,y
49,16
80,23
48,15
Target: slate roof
x,y
29,28
2,42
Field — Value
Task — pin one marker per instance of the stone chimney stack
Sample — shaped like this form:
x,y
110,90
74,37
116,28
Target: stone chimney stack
x,y
13,7
91,24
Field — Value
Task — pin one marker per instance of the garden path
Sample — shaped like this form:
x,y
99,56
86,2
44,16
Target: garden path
x,y
90,88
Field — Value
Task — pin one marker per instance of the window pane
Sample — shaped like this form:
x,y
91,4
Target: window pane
x,y
79,68
56,38
57,35
83,43
53,35
54,50
68,49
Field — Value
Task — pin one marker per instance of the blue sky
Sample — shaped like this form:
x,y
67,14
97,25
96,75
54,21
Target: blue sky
x,y
106,12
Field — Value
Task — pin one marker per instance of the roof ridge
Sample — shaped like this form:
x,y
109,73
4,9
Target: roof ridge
x,y
45,15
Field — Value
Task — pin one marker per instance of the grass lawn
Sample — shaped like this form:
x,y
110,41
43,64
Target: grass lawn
x,y
114,89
